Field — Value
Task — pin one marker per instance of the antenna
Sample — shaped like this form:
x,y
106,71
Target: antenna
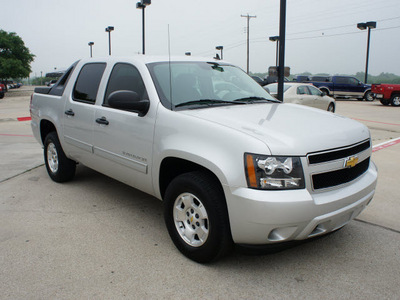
x,y
169,66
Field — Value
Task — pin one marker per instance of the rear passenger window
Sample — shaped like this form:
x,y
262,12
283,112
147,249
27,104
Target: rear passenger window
x,y
125,77
88,82
302,90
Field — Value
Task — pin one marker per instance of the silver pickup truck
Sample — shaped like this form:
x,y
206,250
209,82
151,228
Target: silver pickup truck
x,y
231,163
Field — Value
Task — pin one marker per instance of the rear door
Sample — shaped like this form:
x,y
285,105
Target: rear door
x,y
348,86
123,140
304,96
79,112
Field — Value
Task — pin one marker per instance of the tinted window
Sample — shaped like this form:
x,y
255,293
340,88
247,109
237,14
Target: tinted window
x,y
341,80
88,82
125,77
314,91
58,89
302,90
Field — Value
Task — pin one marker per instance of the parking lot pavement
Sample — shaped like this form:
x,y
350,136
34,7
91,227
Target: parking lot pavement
x,y
97,238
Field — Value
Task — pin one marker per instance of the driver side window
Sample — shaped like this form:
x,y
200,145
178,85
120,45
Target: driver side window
x,y
125,77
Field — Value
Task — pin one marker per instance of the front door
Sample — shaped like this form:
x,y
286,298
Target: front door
x,y
123,140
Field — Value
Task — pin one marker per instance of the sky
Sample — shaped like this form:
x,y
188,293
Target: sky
x,y
321,35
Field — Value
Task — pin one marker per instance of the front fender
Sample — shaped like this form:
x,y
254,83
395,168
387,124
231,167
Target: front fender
x,y
217,148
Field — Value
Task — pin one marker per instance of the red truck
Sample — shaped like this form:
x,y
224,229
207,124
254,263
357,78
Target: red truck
x,y
387,93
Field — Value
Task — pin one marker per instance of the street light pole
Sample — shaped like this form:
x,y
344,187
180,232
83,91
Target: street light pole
x,y
220,48
109,29
142,5
90,45
275,39
282,37
362,26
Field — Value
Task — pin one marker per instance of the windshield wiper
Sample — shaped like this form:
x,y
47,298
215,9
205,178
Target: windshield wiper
x,y
208,102
254,98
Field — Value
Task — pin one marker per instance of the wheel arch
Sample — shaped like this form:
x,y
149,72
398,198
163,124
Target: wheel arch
x,y
325,88
46,127
171,167
366,91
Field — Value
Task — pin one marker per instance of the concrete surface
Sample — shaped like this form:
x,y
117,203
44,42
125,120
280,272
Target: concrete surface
x,y
95,238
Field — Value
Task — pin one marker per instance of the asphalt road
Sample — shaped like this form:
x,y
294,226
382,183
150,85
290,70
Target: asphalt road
x,y
96,238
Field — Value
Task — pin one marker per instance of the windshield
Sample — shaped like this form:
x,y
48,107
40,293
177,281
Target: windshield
x,y
186,85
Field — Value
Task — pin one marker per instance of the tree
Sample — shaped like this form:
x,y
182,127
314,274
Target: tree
x,y
15,58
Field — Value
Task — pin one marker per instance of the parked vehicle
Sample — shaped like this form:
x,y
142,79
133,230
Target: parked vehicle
x,y
259,80
52,82
304,94
1,91
231,163
301,78
345,86
387,93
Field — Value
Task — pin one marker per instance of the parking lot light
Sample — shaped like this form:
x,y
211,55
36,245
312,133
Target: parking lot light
x,y
275,39
142,5
220,48
109,29
362,26
91,45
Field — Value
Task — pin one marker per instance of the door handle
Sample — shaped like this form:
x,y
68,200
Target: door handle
x,y
102,121
69,112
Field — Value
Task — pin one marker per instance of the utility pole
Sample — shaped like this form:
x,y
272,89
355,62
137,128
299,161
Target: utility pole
x,y
282,38
248,36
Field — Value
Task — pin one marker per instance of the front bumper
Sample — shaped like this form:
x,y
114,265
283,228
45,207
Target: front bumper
x,y
265,217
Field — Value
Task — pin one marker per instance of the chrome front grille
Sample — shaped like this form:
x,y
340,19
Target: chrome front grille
x,y
329,169
338,153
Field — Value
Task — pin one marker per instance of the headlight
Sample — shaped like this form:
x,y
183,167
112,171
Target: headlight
x,y
273,172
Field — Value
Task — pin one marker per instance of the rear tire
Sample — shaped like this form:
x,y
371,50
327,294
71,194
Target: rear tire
x,y
59,167
331,107
385,102
368,96
196,217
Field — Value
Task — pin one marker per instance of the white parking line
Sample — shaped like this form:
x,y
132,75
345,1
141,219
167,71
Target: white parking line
x,y
386,144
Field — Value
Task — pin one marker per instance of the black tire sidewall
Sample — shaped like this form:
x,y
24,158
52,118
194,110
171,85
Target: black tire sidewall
x,y
392,100
66,167
219,238
367,94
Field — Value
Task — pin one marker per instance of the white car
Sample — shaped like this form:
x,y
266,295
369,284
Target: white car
x,y
304,94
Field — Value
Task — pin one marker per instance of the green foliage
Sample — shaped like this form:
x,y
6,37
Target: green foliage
x,y
381,78
15,58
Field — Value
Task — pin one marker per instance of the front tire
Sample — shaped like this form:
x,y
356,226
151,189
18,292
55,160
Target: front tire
x,y
196,217
395,100
59,167
331,107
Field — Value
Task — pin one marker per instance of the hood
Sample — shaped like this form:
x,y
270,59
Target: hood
x,y
287,129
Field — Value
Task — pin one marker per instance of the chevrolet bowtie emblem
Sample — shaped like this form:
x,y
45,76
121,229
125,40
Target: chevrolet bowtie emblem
x,y
351,161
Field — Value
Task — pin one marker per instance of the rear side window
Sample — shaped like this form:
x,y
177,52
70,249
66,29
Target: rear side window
x,y
303,90
88,82
125,77
59,87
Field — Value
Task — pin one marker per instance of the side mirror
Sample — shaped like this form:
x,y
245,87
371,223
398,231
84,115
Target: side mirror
x,y
129,100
